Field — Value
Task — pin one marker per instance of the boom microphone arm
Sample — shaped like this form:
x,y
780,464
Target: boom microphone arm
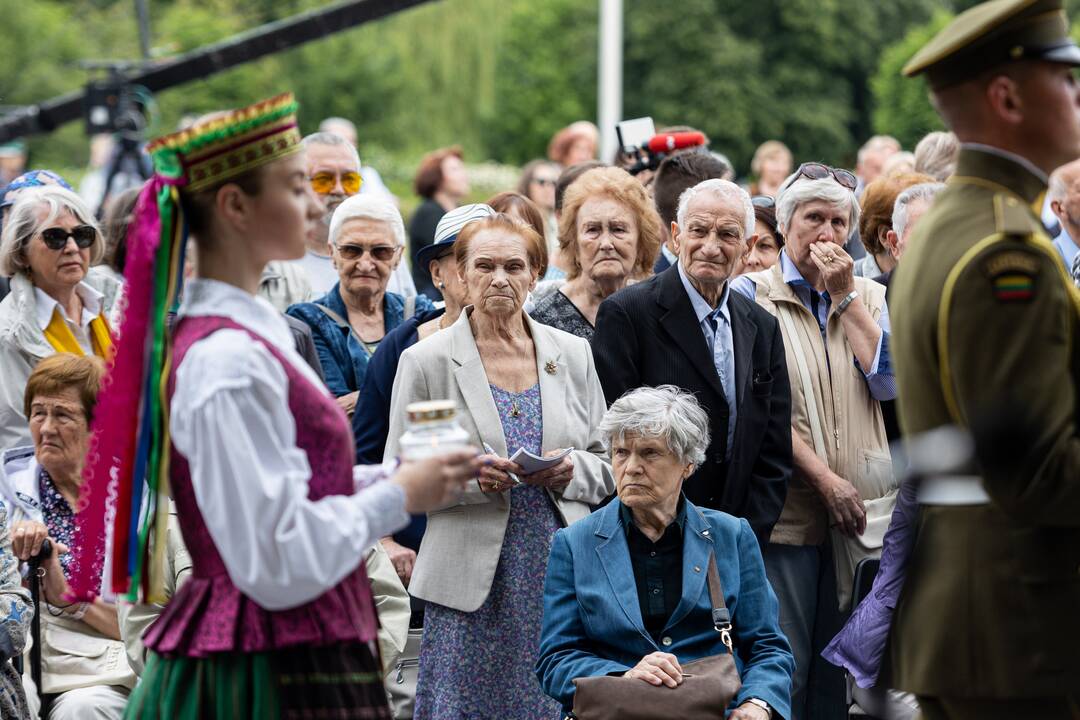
x,y
195,65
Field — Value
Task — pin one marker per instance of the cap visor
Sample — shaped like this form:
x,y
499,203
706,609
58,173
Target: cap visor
x,y
434,252
1066,55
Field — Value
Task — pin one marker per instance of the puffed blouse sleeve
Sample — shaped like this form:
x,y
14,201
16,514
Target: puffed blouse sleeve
x,y
230,419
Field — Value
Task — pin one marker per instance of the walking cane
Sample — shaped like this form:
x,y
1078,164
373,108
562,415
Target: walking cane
x,y
35,624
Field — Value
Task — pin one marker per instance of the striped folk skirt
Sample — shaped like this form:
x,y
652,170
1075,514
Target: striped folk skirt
x,y
335,682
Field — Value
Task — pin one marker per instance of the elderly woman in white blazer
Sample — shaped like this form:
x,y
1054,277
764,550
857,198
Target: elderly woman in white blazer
x,y
481,565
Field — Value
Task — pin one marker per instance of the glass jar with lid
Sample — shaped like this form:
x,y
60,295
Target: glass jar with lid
x,y
432,429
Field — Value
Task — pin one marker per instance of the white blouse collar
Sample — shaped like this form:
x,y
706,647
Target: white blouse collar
x,y
92,302
204,298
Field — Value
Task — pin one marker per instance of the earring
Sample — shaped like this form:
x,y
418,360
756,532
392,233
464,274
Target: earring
x,y
442,286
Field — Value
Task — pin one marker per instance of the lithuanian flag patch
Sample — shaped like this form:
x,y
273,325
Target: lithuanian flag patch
x,y
1012,275
1014,287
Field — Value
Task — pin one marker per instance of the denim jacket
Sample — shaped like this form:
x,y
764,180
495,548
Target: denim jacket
x,y
344,359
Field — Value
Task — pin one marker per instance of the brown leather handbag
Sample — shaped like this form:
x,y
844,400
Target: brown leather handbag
x,y
708,687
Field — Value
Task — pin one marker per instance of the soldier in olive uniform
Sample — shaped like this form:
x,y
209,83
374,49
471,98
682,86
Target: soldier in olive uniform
x,y
986,331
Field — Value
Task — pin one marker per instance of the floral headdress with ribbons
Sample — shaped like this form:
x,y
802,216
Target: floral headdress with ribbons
x,y
124,497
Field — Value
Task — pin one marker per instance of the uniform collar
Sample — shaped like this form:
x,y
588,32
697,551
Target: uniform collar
x,y
1007,170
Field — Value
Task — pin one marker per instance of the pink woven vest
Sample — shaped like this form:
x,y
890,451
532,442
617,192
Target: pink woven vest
x,y
209,614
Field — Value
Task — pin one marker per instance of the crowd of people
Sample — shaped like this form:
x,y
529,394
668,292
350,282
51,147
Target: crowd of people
x,y
709,366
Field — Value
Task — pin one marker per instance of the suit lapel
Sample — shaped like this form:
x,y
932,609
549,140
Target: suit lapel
x,y
697,543
682,325
553,374
473,385
614,554
743,331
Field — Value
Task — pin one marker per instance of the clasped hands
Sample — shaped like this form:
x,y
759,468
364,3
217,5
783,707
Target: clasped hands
x,y
495,473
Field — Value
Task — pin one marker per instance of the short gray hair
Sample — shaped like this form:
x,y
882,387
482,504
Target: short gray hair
x,y
21,224
936,155
368,207
664,411
725,190
795,192
923,191
334,140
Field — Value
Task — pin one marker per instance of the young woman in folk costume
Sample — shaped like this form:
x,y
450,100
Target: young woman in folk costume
x,y
277,619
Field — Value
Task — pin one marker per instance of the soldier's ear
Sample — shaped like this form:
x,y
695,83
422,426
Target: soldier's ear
x,y
1003,95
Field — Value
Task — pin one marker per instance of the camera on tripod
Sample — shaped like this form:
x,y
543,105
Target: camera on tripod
x,y
115,107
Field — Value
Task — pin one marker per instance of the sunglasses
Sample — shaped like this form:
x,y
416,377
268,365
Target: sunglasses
x,y
763,201
382,253
817,171
324,182
56,238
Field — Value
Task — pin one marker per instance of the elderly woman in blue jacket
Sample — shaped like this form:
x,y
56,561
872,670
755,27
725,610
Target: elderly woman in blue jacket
x,y
626,589
367,236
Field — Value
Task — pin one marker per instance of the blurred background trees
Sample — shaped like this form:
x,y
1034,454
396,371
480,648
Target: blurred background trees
x,y
498,77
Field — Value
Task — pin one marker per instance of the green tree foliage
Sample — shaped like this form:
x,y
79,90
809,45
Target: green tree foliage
x,y
902,105
547,76
499,77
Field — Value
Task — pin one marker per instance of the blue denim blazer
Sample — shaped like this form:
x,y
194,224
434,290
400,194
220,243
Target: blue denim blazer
x,y
592,622
344,360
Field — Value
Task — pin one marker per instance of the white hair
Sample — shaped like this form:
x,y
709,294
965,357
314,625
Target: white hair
x,y
664,411
936,155
724,190
334,140
368,207
795,192
923,191
21,224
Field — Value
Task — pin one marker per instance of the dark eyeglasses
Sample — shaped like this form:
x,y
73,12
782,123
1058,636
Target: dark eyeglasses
x,y
382,253
325,182
56,238
817,171
763,201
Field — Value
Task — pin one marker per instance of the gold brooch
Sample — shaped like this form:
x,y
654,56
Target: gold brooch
x,y
550,367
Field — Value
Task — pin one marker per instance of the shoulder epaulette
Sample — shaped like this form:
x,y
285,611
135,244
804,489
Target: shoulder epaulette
x,y
1012,216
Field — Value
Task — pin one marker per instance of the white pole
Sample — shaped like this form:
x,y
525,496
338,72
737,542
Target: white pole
x,y
609,89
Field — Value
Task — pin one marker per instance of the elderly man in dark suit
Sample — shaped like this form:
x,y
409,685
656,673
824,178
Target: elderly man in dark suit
x,y
684,327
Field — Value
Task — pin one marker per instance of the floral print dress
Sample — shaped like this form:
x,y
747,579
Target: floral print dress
x,y
479,665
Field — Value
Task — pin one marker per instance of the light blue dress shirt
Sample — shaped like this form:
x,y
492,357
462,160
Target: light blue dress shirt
x,y
880,380
716,327
1067,247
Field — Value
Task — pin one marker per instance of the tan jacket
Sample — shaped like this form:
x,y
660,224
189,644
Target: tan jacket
x,y
460,551
855,446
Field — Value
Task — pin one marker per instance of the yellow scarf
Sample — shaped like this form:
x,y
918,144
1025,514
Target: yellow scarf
x,y
62,339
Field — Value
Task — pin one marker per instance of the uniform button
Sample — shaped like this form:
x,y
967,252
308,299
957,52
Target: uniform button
x,y
652,554
705,533
697,569
656,591
665,641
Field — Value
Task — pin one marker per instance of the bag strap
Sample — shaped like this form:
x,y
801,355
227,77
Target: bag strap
x,y
721,616
343,325
793,346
